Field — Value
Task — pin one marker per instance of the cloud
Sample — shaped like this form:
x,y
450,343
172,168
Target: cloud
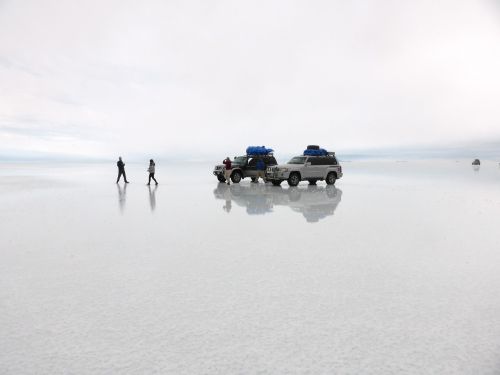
x,y
171,77
32,128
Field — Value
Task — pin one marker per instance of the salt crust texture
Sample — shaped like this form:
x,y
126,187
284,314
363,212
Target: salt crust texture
x,y
394,271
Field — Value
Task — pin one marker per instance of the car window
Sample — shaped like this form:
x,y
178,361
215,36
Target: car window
x,y
252,162
316,160
324,160
271,161
240,160
298,160
330,161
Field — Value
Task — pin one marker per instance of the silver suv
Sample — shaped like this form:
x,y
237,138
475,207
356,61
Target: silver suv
x,y
306,168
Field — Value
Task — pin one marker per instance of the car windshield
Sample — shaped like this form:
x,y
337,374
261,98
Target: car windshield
x,y
240,160
298,160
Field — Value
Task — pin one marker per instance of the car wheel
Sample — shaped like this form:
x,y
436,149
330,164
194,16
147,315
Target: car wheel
x,y
331,178
236,177
254,179
276,183
221,178
294,179
312,182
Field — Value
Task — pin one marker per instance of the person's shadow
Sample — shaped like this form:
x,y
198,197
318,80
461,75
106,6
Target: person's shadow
x,y
122,196
152,197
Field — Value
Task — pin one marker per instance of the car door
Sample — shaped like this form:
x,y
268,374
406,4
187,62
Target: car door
x,y
251,170
307,169
315,170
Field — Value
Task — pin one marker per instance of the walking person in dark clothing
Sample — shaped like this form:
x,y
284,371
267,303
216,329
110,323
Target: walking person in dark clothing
x,y
151,171
121,170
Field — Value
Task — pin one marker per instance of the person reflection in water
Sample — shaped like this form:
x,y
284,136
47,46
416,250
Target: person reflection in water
x,y
151,171
227,196
228,206
152,197
121,170
122,196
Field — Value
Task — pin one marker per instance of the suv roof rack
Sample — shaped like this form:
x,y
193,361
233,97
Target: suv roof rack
x,y
318,156
261,155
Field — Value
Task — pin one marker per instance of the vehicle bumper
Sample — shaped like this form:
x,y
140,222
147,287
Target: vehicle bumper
x,y
276,176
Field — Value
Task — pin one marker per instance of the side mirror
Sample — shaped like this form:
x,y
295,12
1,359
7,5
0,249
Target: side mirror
x,y
308,164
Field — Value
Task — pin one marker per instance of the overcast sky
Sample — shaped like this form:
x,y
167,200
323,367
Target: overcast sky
x,y
102,78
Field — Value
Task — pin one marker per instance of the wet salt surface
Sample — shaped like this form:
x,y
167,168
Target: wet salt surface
x,y
394,270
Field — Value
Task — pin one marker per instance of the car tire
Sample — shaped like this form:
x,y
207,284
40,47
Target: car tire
x,y
236,177
312,182
276,183
331,178
221,178
254,179
294,179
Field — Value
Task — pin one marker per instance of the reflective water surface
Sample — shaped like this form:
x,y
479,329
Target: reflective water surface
x,y
313,202
395,269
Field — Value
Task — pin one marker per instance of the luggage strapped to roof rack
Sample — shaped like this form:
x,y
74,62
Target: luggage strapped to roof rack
x,y
259,150
311,152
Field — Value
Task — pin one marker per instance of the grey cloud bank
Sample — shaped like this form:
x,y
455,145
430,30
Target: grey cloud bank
x,y
116,77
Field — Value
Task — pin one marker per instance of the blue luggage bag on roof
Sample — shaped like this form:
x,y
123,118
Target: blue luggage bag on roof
x,y
320,152
258,150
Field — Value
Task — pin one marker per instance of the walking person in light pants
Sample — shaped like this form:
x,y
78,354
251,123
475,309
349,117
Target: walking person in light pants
x,y
228,169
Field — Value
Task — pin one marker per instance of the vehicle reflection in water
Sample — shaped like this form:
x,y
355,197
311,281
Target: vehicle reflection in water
x,y
313,202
